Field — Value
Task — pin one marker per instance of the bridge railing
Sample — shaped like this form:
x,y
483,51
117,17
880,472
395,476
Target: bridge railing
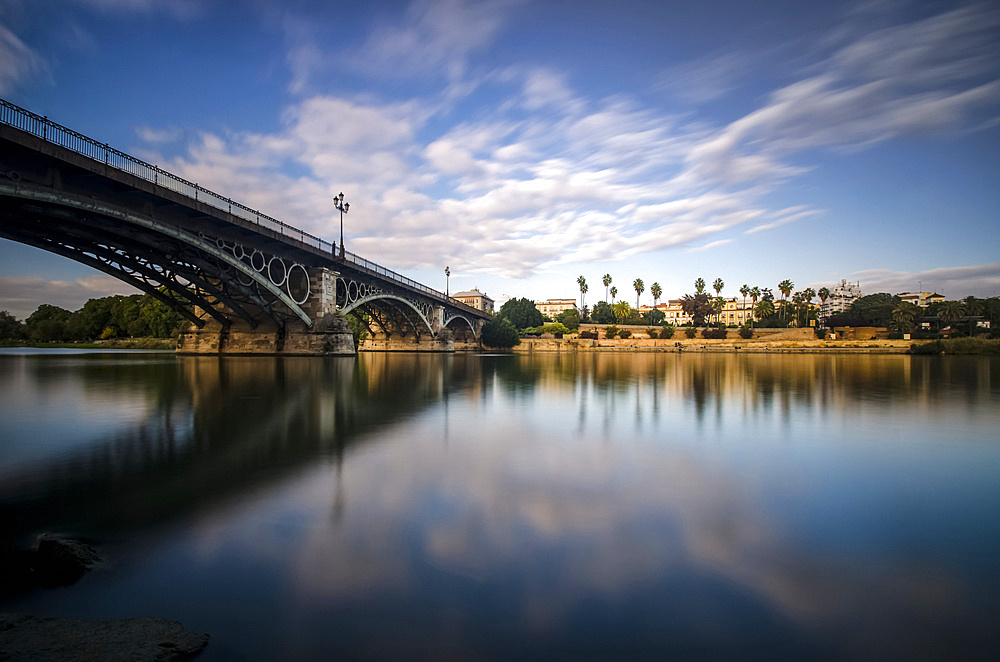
x,y
47,130
44,128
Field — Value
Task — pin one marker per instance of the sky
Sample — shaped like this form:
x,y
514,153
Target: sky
x,y
524,143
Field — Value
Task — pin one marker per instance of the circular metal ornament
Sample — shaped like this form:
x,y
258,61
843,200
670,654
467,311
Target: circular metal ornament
x,y
258,261
277,272
297,284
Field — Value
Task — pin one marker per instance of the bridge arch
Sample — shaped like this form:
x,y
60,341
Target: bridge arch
x,y
374,299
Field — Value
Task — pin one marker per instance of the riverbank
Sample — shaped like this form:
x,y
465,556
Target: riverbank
x,y
118,343
575,344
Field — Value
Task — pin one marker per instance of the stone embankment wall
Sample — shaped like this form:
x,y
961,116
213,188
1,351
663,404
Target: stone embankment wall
x,y
330,336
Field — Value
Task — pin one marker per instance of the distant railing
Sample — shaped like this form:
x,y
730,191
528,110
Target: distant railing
x,y
42,127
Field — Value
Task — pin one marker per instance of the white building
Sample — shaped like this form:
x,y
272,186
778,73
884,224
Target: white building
x,y
552,307
840,299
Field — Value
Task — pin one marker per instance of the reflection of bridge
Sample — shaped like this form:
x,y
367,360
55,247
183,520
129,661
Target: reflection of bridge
x,y
247,282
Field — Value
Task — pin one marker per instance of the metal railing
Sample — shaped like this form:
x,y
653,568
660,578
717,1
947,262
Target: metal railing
x,y
42,127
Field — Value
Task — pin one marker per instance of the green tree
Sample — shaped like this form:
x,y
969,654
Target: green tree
x,y
499,333
521,313
754,295
744,290
11,328
785,287
47,323
607,281
614,293
582,282
718,285
951,311
873,309
639,287
570,318
656,291
904,314
699,285
718,305
622,311
602,313
763,309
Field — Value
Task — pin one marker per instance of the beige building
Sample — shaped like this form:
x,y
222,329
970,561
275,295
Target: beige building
x,y
735,312
552,307
476,299
922,299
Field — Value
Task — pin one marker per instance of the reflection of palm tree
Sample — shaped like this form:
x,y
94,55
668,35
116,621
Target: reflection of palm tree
x,y
639,288
607,281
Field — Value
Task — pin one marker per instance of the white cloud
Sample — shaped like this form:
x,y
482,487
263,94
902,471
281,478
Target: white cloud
x,y
21,295
981,280
18,61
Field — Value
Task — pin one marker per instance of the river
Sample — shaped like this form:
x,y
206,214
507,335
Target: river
x,y
516,507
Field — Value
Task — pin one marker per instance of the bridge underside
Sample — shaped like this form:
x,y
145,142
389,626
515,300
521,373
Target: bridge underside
x,y
242,287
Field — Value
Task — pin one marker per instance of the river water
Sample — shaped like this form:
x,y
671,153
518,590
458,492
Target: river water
x,y
590,506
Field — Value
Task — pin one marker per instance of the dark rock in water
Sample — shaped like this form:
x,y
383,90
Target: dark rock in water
x,y
61,561
25,638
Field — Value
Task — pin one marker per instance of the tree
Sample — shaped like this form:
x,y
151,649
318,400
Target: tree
x,y
607,281
717,286
602,313
973,307
499,333
570,318
47,323
699,285
744,290
718,305
582,282
614,293
824,294
698,307
764,308
11,328
950,311
904,314
785,287
656,291
638,286
622,311
873,309
754,295
521,313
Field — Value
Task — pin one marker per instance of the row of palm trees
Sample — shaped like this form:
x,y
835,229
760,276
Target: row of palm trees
x,y
761,309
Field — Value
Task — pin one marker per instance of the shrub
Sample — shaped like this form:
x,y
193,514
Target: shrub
x,y
653,333
746,332
499,333
610,331
667,332
624,333
553,328
588,335
690,332
821,333
713,334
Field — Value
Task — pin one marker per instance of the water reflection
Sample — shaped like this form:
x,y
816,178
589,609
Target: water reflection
x,y
700,506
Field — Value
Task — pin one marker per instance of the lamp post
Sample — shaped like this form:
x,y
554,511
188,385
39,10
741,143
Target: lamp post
x,y
338,202
447,276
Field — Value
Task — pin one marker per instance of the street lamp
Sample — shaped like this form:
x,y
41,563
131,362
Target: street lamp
x,y
447,275
338,202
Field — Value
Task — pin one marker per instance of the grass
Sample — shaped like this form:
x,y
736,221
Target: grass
x,y
118,343
959,346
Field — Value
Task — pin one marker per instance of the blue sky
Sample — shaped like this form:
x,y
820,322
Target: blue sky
x,y
524,143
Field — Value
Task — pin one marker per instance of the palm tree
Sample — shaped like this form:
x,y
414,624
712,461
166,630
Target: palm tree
x,y
785,287
807,299
622,311
582,282
764,308
699,285
718,304
950,311
607,281
973,307
754,295
656,291
583,292
744,290
614,293
823,294
639,286
904,314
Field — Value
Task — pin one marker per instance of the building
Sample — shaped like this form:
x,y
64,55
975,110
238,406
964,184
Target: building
x,y
840,299
474,298
735,312
922,299
552,307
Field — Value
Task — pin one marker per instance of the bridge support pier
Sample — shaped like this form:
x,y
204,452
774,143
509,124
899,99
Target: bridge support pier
x,y
330,336
380,343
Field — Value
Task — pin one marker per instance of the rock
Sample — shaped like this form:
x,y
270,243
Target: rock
x,y
24,637
60,561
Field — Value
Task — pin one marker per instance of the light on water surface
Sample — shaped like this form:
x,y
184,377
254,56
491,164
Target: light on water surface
x,y
520,507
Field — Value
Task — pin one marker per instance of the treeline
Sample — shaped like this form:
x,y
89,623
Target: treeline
x,y
119,316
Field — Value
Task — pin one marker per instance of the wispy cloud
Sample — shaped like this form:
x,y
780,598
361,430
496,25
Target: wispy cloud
x,y
982,280
18,61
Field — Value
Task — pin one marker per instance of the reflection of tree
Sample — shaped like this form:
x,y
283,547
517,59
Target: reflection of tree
x,y
214,427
